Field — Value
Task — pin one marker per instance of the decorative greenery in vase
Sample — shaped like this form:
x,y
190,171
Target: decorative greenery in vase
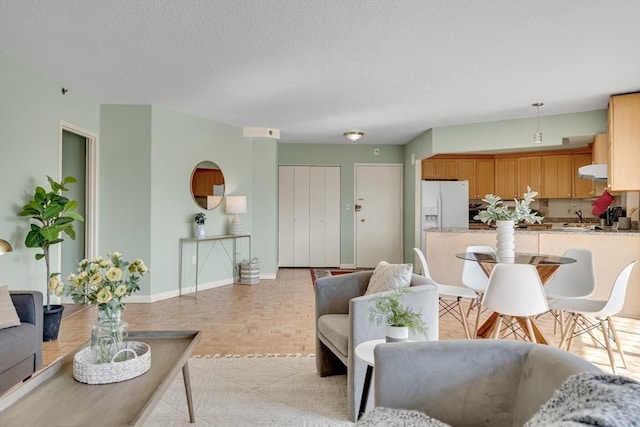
x,y
56,214
387,308
521,212
200,218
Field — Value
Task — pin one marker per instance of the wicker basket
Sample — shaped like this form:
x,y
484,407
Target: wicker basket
x,y
105,373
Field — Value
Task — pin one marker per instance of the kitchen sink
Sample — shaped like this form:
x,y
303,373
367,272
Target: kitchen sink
x,y
578,226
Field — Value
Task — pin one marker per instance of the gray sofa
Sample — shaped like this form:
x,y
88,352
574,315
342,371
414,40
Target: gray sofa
x,y
342,322
21,346
472,382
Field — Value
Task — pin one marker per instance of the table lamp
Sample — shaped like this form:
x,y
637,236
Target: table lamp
x,y
5,247
236,205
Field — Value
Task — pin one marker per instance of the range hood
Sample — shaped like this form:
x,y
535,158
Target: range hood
x,y
596,172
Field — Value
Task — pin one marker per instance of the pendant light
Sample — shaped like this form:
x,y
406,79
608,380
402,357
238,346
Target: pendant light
x,y
354,135
537,137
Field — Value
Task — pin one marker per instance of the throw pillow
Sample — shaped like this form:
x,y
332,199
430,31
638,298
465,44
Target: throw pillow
x,y
8,315
592,399
387,417
387,277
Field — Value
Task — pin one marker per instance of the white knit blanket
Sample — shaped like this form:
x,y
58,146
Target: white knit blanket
x,y
592,399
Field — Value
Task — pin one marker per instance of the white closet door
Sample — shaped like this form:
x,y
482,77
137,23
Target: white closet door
x,y
332,217
317,242
301,216
285,216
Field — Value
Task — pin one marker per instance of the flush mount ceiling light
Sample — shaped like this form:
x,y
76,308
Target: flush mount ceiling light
x,y
354,135
537,137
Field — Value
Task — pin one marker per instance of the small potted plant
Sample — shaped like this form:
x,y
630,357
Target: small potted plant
x,y
54,214
200,218
400,319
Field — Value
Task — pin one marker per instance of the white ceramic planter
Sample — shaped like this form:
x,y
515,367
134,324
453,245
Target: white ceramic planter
x,y
397,333
505,241
200,231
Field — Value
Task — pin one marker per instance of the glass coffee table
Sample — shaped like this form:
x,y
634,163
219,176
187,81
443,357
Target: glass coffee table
x,y
53,397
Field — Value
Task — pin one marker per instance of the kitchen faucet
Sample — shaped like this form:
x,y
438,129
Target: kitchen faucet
x,y
579,213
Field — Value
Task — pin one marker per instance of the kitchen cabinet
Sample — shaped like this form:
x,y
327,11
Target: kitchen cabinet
x,y
506,172
440,169
600,152
529,174
309,216
557,177
481,176
581,188
624,142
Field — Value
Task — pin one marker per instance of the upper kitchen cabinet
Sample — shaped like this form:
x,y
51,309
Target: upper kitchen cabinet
x,y
506,177
557,175
600,152
481,176
624,142
581,188
529,174
440,169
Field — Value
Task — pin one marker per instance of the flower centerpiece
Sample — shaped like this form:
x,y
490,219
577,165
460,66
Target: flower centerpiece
x,y
200,218
387,308
506,219
105,282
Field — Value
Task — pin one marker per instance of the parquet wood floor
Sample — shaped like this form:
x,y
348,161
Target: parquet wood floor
x,y
277,316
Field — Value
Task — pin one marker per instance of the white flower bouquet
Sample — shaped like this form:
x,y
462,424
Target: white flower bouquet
x,y
105,281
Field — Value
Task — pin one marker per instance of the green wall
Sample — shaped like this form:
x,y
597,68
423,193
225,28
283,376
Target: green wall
x,y
31,106
345,156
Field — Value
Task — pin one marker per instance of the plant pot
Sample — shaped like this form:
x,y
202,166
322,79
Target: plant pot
x,y
397,334
200,231
51,322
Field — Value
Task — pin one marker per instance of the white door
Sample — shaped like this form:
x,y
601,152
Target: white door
x,y
285,216
378,214
301,216
324,216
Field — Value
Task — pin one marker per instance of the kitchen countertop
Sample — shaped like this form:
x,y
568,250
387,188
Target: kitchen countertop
x,y
554,230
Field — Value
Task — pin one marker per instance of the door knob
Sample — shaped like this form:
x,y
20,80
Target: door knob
x,y
362,220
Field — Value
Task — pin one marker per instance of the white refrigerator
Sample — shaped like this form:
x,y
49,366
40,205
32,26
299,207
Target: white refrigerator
x,y
445,204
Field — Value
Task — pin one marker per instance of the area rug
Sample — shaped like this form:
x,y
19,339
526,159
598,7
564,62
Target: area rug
x,y
255,391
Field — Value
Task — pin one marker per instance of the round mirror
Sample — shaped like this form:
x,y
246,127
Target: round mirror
x,y
207,185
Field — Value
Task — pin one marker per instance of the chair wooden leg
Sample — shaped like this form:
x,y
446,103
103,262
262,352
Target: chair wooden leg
x,y
607,343
465,322
561,315
617,340
571,324
496,332
532,335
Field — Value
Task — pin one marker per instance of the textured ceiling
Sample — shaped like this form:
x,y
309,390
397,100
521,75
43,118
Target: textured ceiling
x,y
314,69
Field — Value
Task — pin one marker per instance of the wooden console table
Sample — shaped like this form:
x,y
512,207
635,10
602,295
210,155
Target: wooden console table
x,y
215,239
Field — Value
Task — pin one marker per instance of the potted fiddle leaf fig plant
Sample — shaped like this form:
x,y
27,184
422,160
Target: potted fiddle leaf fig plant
x,y
53,215
399,318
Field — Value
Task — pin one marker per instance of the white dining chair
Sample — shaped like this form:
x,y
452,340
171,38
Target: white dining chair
x,y
515,293
450,296
571,281
602,310
474,278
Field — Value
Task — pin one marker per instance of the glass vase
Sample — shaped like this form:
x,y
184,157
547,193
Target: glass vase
x,y
109,336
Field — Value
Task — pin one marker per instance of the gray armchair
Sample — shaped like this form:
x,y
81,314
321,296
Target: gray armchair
x,y
472,382
342,322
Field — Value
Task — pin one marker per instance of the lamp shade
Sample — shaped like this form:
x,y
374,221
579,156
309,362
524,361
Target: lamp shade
x,y
236,204
5,247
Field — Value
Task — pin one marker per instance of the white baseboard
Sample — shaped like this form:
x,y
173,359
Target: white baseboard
x,y
269,276
146,299
348,266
